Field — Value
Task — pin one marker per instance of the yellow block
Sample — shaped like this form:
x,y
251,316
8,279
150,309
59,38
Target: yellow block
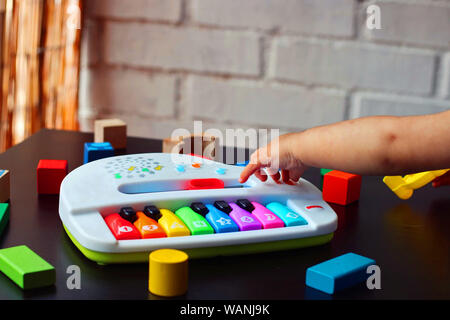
x,y
168,272
404,187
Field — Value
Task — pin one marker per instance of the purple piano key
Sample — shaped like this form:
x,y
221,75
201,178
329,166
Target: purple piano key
x,y
243,218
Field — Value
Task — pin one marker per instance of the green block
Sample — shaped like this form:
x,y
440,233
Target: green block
x,y
26,268
322,173
4,216
195,222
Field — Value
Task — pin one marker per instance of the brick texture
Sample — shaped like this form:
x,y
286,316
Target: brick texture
x,y
262,105
351,65
89,47
176,48
159,10
128,92
325,17
288,64
367,104
425,24
445,77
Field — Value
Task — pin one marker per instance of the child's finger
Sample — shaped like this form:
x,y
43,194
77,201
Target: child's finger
x,y
285,176
260,175
272,171
276,177
250,169
295,174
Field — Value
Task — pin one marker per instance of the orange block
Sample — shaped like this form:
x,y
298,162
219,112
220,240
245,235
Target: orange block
x,y
148,227
341,187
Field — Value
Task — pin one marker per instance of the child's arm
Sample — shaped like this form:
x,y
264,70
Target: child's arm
x,y
379,145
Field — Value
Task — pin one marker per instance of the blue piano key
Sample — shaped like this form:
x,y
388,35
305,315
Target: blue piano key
x,y
220,221
289,217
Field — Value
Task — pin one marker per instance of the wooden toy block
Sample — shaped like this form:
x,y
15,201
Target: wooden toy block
x,y
97,150
113,131
341,187
168,272
323,172
50,174
4,185
338,273
201,145
404,187
4,216
27,269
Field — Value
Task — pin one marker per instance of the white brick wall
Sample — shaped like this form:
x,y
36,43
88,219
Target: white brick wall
x,y
116,91
181,48
326,17
421,24
89,54
288,64
157,10
445,83
370,104
354,65
256,104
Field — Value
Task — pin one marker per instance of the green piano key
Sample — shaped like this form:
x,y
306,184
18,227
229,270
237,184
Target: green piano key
x,y
195,222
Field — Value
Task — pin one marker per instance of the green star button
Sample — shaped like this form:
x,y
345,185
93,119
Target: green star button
x,y
117,176
145,170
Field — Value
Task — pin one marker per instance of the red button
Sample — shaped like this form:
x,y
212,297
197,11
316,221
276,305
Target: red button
x,y
121,228
198,184
314,207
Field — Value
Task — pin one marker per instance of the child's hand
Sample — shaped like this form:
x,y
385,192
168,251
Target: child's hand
x,y
276,155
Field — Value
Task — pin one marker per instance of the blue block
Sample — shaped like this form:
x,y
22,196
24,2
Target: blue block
x,y
338,273
97,150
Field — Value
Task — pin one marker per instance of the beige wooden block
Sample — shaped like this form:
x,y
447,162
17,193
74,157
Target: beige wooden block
x,y
204,145
4,185
172,145
113,131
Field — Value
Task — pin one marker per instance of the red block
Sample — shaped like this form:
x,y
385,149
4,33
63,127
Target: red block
x,y
50,174
341,187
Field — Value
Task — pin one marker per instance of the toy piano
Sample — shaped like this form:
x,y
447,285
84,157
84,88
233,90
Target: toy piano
x,y
119,209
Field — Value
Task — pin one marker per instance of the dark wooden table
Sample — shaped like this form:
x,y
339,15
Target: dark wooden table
x,y
410,241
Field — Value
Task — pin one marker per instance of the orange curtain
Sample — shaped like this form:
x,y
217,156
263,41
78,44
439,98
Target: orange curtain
x,y
40,41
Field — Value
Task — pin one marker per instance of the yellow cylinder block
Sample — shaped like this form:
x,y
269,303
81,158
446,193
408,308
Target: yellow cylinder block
x,y
168,272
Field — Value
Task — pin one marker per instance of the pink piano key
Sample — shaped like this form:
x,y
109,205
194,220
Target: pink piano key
x,y
267,218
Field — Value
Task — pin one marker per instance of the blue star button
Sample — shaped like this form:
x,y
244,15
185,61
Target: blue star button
x,y
221,171
180,168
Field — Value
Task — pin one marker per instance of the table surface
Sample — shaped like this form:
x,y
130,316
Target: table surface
x,y
409,240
